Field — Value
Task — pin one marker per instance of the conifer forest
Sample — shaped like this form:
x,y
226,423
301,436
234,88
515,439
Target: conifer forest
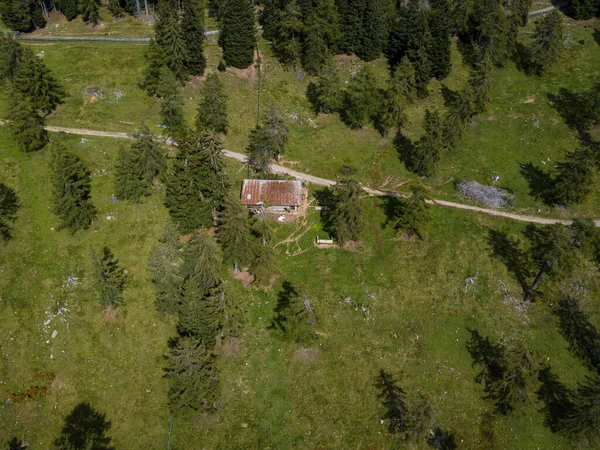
x,y
299,224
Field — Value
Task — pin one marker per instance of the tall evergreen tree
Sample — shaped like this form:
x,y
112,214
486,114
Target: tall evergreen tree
x,y
9,205
69,8
89,11
272,15
413,214
34,80
321,34
25,124
519,9
574,180
110,279
22,15
346,214
547,45
441,44
401,91
163,266
479,89
583,9
192,375
233,233
267,142
72,187
11,55
192,25
287,35
202,262
129,180
238,33
212,179
326,95
148,156
170,36
171,107
374,29
351,13
360,98
427,151
212,111
155,64
491,30
264,265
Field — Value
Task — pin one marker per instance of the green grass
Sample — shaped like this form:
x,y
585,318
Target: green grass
x,y
270,398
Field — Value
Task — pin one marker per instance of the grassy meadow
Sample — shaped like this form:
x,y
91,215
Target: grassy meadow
x,y
276,394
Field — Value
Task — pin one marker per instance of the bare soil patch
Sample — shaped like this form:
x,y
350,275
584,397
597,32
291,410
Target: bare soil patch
x,y
245,277
250,73
352,246
110,315
344,59
231,347
307,355
530,99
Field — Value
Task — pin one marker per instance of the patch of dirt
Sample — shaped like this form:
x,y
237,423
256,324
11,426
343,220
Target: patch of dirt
x,y
197,81
325,246
352,246
245,277
231,347
344,59
185,237
307,355
530,99
491,117
283,162
249,73
110,315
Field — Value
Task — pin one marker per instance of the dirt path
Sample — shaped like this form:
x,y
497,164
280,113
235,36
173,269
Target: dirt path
x,y
540,12
324,182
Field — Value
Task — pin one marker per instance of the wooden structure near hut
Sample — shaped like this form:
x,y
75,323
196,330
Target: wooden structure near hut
x,y
273,195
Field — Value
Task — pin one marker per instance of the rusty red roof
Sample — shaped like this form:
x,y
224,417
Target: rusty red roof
x,y
272,192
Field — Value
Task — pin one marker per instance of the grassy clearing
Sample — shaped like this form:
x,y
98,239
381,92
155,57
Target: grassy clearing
x,y
271,397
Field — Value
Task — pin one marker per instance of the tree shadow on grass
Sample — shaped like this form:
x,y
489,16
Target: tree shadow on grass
x,y
556,398
405,148
568,104
390,206
16,444
596,35
85,428
579,332
540,183
325,198
450,97
508,250
284,301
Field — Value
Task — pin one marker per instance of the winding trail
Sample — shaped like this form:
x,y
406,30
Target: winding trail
x,y
276,168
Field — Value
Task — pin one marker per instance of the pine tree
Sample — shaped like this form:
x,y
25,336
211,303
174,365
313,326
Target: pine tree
x,y
441,45
11,54
585,416
170,36
267,142
148,156
583,9
491,29
360,98
346,214
35,81
400,92
9,205
22,15
479,90
351,13
171,107
326,95
427,151
393,399
238,33
264,266
25,124
110,279
72,187
272,15
155,64
233,233
89,11
192,25
520,10
287,35
374,29
69,8
295,318
202,262
413,214
211,176
193,376
163,266
574,180
129,180
547,46
212,111
460,111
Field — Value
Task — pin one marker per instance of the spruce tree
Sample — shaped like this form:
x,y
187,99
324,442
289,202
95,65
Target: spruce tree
x,y
129,180
583,9
22,15
11,55
193,377
89,11
148,156
321,34
171,107
326,94
155,64
264,265
170,37
287,36
163,266
25,124
360,98
35,81
519,9
460,111
413,214
233,233
374,29
351,13
575,178
401,91
268,141
211,176
202,260
427,150
272,15
238,33
295,318
479,90
547,45
491,31
346,214
212,111
192,25
441,45
9,205
72,188
69,8
110,279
